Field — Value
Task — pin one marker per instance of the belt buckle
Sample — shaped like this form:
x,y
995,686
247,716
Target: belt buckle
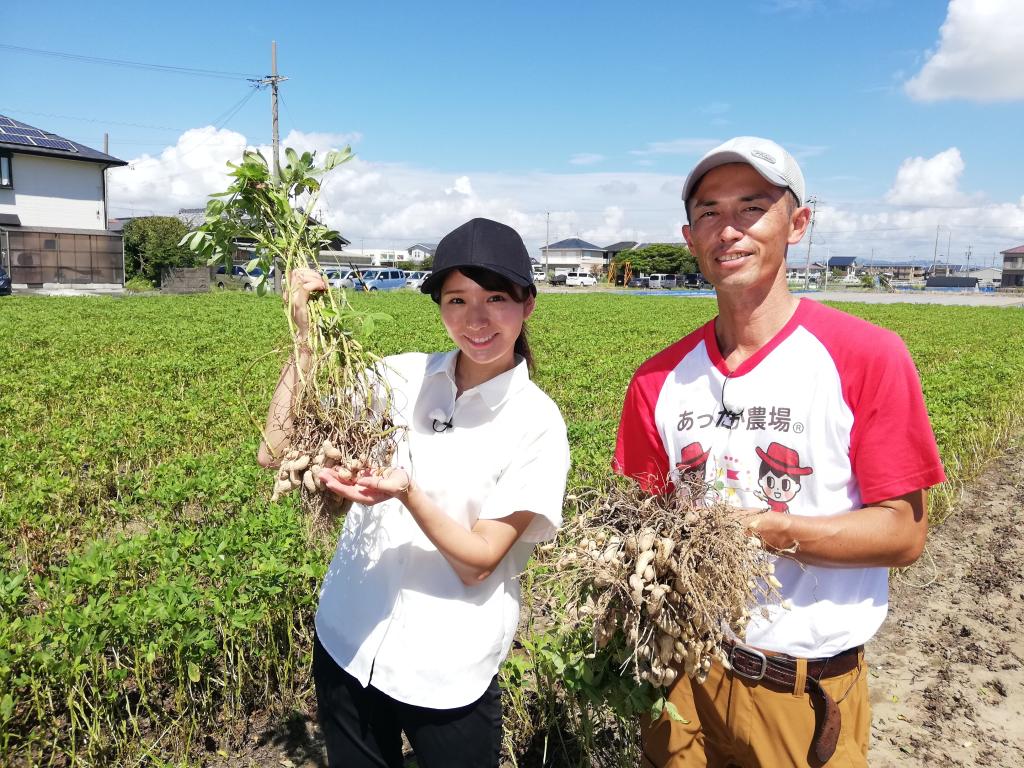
x,y
753,653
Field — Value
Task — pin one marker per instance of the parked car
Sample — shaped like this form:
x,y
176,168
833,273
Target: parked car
x,y
559,278
580,278
338,277
5,283
379,280
237,278
694,280
415,280
539,275
639,282
663,281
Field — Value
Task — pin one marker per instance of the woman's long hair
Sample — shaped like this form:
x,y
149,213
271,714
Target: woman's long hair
x,y
492,281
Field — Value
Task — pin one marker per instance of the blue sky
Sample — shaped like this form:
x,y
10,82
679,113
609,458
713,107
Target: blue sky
x,y
592,111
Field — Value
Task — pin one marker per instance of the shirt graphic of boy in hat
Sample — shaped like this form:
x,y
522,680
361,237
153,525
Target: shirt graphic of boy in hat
x,y
779,476
692,461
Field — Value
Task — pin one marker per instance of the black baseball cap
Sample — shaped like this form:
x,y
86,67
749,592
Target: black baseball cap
x,y
484,244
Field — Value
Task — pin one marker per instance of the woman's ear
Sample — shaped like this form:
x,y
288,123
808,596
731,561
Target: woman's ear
x,y
528,306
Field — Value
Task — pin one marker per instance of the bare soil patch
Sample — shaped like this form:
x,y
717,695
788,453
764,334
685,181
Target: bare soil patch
x,y
947,685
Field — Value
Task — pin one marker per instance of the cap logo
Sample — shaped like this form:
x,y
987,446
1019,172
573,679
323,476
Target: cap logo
x,y
763,155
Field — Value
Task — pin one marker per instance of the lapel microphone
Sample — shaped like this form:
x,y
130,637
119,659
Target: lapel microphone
x,y
439,423
731,413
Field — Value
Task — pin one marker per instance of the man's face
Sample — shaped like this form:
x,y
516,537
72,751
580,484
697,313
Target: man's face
x,y
741,226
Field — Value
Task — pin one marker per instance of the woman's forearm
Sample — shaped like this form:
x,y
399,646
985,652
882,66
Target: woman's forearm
x,y
278,430
472,554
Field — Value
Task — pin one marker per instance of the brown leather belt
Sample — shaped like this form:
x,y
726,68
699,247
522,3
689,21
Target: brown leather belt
x,y
780,670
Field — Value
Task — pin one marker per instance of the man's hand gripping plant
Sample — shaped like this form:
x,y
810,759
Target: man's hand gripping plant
x,y
340,409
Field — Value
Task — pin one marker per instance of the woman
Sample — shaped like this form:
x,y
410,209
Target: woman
x,y
421,601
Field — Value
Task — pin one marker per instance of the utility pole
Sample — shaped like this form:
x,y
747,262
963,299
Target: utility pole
x,y
547,241
810,239
935,252
967,269
273,79
949,241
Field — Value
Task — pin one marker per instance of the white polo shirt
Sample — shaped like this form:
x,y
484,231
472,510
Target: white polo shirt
x,y
393,613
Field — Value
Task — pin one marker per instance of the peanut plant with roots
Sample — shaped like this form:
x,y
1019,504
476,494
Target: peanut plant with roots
x,y
340,413
642,588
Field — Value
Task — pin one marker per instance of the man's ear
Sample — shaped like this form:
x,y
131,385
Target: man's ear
x,y
686,236
798,223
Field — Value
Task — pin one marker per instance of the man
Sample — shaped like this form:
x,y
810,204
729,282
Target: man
x,y
815,427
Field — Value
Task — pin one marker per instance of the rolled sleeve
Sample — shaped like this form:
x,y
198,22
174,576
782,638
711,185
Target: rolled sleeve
x,y
534,482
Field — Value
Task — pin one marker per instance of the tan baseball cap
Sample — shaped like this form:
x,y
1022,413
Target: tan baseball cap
x,y
763,155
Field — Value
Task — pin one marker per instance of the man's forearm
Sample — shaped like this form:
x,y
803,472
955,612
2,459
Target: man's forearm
x,y
888,534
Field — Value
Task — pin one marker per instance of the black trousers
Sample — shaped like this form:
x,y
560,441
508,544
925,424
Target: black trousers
x,y
363,727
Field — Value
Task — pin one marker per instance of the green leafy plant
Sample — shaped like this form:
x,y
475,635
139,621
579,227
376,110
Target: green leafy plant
x,y
341,409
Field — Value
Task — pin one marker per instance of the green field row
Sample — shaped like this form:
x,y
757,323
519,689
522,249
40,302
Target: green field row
x,y
149,590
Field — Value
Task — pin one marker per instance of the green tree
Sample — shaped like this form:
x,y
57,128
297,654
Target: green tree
x,y
659,258
152,244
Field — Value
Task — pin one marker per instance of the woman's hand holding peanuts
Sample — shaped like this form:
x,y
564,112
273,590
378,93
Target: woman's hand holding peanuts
x,y
369,486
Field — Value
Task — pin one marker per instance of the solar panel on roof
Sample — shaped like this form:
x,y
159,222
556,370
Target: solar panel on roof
x,y
20,124
6,121
15,138
23,131
55,144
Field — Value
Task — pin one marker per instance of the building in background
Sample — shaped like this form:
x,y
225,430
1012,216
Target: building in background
x,y
421,251
53,211
1013,268
574,254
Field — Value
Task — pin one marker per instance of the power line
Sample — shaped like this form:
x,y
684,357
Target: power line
x,y
7,110
192,71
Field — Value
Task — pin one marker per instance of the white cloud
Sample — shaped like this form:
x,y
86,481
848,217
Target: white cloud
x,y
677,147
395,204
586,158
933,181
980,55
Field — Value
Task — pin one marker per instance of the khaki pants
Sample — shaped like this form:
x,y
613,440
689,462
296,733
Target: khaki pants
x,y
734,722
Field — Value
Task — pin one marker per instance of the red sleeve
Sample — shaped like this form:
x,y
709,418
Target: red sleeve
x,y
892,446
639,450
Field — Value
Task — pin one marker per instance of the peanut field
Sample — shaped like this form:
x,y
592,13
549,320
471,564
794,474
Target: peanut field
x,y
153,601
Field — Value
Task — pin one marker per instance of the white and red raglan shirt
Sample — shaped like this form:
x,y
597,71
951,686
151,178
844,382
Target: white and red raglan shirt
x,y
832,419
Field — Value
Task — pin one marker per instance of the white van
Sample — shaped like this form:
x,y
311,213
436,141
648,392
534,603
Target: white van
x,y
580,278
663,281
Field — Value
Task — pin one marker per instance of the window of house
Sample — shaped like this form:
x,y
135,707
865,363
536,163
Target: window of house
x,y
6,172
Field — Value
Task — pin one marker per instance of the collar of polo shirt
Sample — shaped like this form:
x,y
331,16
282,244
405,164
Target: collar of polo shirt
x,y
494,391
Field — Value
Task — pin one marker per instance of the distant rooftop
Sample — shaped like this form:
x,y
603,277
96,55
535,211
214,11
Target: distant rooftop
x,y
573,244
1013,251
16,136
623,245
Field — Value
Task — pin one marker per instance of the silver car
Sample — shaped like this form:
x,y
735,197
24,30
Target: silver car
x,y
339,277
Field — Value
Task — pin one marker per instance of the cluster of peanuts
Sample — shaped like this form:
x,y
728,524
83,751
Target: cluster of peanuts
x,y
649,587
301,469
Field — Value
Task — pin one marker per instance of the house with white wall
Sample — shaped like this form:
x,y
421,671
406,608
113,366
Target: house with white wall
x,y
53,210
421,251
574,254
